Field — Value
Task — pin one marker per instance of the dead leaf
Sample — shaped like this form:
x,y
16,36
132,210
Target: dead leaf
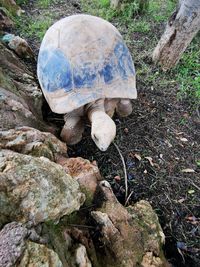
x,y
180,133
191,218
117,178
150,161
188,170
145,171
183,139
191,191
168,143
181,200
138,157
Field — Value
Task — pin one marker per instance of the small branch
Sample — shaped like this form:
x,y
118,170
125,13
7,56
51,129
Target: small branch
x,y
125,172
128,198
81,226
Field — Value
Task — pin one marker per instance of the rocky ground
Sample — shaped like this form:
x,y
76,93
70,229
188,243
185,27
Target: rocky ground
x,y
159,142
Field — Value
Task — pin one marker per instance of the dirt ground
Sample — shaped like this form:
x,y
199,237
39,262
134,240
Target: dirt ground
x,y
159,142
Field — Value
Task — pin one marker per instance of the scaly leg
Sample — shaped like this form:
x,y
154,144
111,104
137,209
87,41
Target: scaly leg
x,y
124,107
73,129
110,106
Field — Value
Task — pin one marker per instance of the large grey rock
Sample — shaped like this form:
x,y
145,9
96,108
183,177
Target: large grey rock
x,y
27,140
12,7
16,249
12,243
20,97
35,189
130,236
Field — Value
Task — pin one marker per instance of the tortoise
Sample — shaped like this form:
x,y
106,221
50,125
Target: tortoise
x,y
85,69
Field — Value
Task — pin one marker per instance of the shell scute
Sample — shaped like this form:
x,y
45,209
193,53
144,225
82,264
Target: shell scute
x,y
55,71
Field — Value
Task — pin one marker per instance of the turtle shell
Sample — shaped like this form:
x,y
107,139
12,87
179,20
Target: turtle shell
x,y
83,58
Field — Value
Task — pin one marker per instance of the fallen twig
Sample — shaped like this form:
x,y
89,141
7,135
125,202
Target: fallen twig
x,y
128,198
125,172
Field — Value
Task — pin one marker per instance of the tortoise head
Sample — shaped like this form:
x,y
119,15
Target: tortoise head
x,y
103,130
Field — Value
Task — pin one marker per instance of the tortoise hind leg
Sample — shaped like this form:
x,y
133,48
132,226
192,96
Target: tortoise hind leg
x,y
73,129
124,107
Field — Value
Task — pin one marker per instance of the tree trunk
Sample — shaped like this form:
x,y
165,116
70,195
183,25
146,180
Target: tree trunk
x,y
182,26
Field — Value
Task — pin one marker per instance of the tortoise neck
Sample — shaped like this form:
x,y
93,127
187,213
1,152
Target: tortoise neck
x,y
94,114
95,109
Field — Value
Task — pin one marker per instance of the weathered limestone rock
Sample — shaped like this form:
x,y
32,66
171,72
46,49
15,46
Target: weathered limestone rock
x,y
149,260
111,235
86,173
17,250
37,255
81,257
11,6
35,189
18,45
27,140
128,236
5,22
12,243
20,97
154,234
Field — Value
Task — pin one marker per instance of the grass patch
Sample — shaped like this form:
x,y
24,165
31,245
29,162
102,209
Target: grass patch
x,y
188,73
140,26
21,2
160,11
34,28
45,3
102,9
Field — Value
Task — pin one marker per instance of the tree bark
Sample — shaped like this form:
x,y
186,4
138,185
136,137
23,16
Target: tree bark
x,y
182,26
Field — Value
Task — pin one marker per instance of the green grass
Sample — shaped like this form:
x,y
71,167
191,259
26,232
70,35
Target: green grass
x,y
22,2
44,3
160,11
188,73
102,9
33,27
140,26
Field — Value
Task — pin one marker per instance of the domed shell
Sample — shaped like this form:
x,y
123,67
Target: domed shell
x,y
83,58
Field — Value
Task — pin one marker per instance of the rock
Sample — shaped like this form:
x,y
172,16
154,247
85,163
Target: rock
x,y
86,173
20,97
15,248
111,235
37,255
12,243
35,189
128,236
149,260
5,22
154,234
18,45
30,141
11,6
81,257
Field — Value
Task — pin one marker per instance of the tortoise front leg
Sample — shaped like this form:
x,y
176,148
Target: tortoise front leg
x,y
73,129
